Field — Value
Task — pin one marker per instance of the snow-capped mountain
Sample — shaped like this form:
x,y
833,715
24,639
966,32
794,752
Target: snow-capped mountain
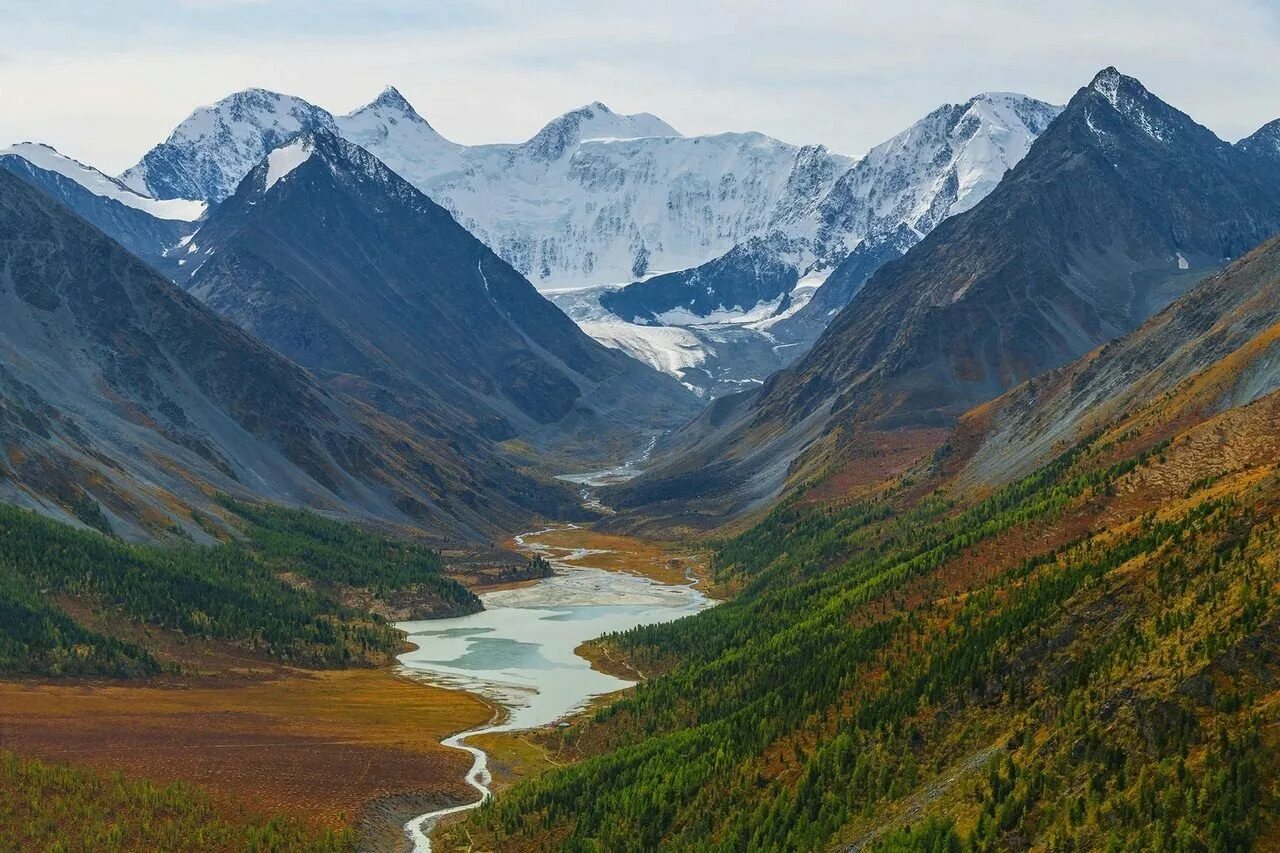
x,y
763,303
595,196
144,225
942,165
211,151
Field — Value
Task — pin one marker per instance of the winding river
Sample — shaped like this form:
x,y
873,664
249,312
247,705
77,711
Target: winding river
x,y
519,652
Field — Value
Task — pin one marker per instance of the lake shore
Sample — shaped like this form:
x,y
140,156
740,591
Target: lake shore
x,y
525,651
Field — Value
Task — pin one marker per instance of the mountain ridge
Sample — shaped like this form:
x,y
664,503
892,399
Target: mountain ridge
x,y
339,263
126,402
1112,214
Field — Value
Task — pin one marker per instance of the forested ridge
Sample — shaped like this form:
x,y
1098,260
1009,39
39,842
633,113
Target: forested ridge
x,y
1086,659
275,593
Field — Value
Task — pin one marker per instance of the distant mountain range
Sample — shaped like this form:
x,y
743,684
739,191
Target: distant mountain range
x,y
1121,205
732,233
592,197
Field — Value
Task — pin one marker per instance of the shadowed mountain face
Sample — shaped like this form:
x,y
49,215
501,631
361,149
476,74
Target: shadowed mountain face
x,y
1121,205
337,262
136,226
127,404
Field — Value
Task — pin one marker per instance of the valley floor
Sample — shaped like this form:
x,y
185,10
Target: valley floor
x,y
334,749
318,746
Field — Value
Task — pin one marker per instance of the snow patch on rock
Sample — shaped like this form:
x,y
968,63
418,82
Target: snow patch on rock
x,y
283,161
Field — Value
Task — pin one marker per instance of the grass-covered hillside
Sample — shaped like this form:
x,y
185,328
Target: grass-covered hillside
x,y
1086,659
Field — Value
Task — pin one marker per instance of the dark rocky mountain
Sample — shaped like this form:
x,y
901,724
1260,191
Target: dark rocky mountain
x,y
140,231
1121,205
750,273
127,404
337,262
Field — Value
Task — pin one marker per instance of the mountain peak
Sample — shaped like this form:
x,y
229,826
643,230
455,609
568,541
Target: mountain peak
x,y
213,148
285,159
343,160
1116,87
593,121
1113,104
1265,141
390,103
391,97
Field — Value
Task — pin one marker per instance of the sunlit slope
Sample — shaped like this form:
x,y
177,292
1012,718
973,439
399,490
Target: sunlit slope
x,y
1081,658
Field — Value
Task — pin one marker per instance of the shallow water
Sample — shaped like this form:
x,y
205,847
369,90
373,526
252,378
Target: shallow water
x,y
519,652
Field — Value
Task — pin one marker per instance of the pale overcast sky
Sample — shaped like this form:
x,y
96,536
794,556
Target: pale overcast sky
x,y
105,81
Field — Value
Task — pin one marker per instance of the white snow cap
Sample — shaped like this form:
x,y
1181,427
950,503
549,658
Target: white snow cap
x,y
600,122
47,158
282,161
222,142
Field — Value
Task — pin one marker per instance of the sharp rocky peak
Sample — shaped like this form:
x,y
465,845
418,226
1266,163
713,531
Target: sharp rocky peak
x,y
1111,94
1118,89
391,101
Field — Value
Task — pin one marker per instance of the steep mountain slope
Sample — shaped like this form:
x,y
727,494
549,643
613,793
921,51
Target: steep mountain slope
x,y
1225,332
127,405
332,259
1083,659
764,302
146,226
1120,205
211,151
595,196
942,165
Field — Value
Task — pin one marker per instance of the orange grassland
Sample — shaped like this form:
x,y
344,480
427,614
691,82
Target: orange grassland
x,y
316,745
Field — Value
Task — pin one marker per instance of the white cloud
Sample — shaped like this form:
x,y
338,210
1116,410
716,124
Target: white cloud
x,y
104,87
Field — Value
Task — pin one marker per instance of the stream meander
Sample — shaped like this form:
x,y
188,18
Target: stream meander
x,y
519,652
